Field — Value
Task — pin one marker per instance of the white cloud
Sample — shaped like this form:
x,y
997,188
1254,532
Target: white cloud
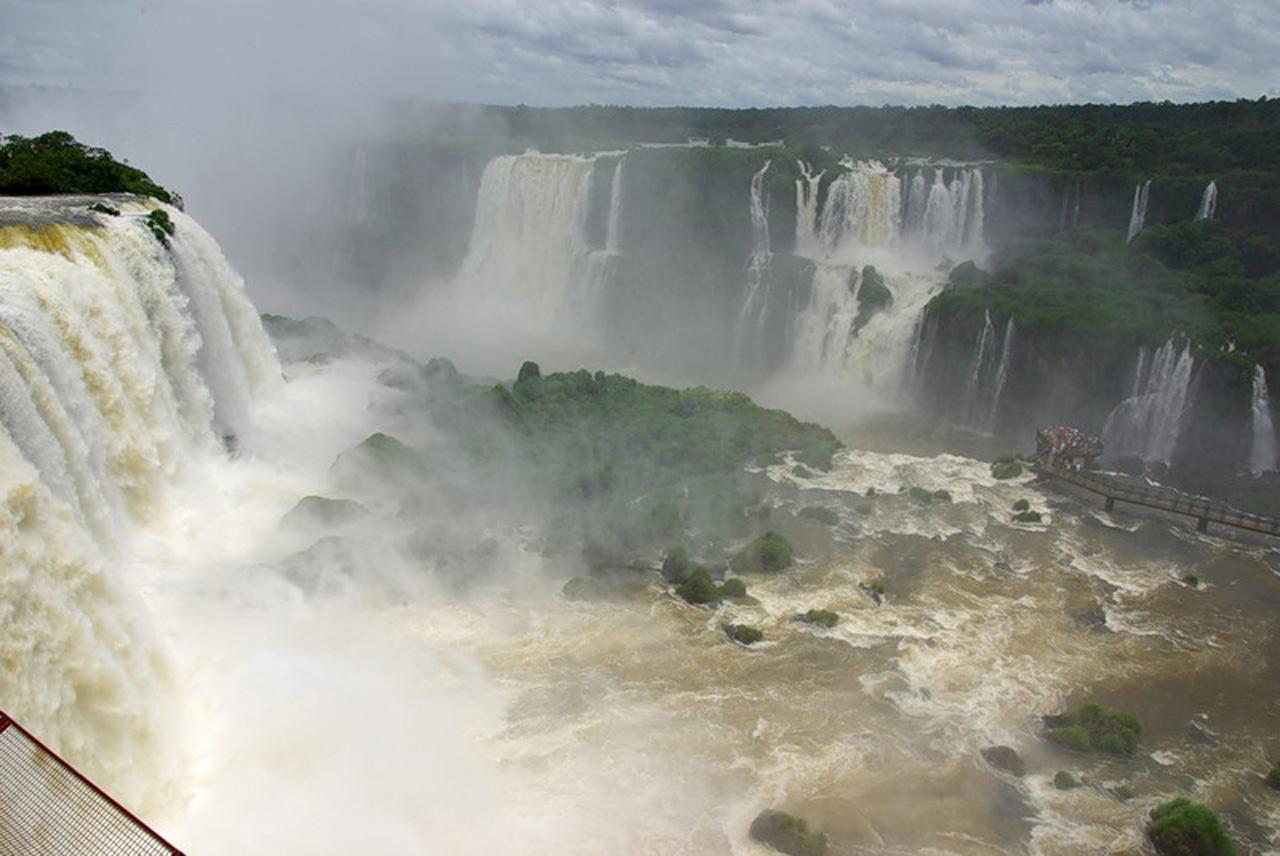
x,y
728,52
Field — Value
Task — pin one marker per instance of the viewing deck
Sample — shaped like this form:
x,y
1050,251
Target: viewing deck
x,y
1119,489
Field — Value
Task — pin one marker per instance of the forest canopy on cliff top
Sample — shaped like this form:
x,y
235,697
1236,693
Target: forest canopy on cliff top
x,y
55,162
1164,138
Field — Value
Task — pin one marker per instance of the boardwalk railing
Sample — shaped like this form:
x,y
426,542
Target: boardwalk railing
x,y
1164,499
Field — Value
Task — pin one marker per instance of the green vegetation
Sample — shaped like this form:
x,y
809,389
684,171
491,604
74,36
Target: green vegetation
x,y
733,587
927,497
743,634
820,514
56,163
698,588
1192,580
675,564
787,834
1022,505
1091,727
160,224
1027,517
1064,781
873,296
1182,139
1273,778
821,617
769,553
1184,828
1006,469
1087,289
104,208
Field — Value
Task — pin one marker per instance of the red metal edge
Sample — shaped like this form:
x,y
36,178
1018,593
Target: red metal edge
x,y
6,721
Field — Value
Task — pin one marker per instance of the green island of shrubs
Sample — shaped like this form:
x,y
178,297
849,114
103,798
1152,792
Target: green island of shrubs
x,y
788,834
1027,517
743,634
1184,828
821,617
1091,727
768,554
1006,469
1022,505
1064,781
926,497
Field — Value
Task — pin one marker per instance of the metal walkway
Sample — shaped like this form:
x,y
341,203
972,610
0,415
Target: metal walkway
x,y
47,807
1206,511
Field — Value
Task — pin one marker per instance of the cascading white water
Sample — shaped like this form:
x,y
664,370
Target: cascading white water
x,y
1208,202
753,315
1002,376
120,356
1138,215
528,245
1149,423
865,218
613,231
1262,449
807,190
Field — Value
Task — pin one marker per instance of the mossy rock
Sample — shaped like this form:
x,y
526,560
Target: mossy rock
x,y
941,496
820,617
1022,505
820,514
584,588
323,511
698,588
103,208
874,590
1006,469
787,834
733,588
801,471
1027,517
1185,828
1124,793
1273,778
768,554
1192,580
1064,781
743,634
1091,727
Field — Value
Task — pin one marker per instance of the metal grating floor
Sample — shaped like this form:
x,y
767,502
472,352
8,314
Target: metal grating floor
x,y
46,807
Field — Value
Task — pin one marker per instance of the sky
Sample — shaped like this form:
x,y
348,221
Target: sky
x,y
655,52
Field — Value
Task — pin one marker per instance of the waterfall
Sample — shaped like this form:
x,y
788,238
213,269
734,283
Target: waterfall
x,y
754,307
1262,450
807,187
120,357
613,241
1002,375
1208,202
1149,423
1138,216
528,248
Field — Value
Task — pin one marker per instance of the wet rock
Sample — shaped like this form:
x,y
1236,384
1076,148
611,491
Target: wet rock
x,y
1005,758
1200,735
787,834
873,590
583,588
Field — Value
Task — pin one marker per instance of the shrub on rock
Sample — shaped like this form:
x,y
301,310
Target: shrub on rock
x,y
821,617
1027,517
1006,469
1091,727
1273,778
699,588
1064,781
1184,828
744,634
1022,505
767,554
733,587
787,834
